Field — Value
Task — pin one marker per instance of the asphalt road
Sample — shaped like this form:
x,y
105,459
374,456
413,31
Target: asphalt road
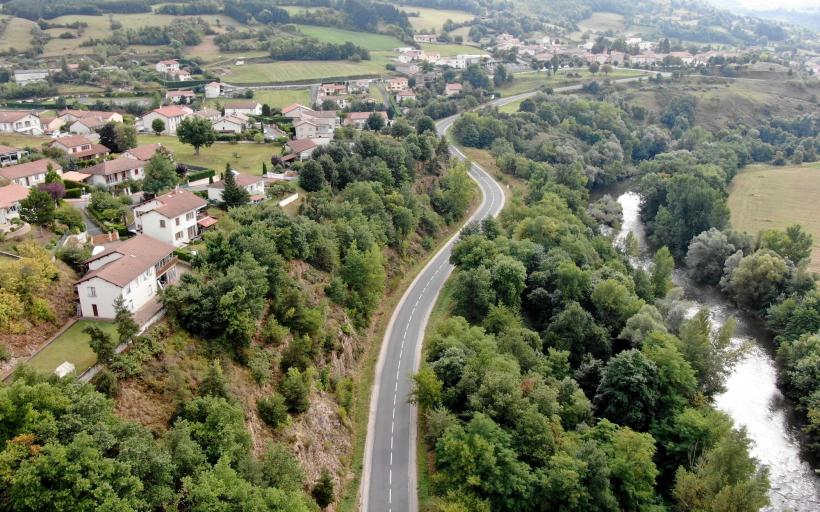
x,y
389,474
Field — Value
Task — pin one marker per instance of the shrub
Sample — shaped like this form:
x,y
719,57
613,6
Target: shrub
x,y
260,362
273,332
272,410
295,390
5,355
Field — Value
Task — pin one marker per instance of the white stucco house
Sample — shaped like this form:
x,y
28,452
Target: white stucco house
x,y
170,218
246,107
115,172
30,174
255,185
10,197
134,270
165,66
213,90
10,155
171,115
231,124
20,121
302,148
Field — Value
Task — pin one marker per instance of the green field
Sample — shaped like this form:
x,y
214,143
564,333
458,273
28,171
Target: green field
x,y
17,34
282,97
602,21
71,346
373,42
763,197
451,50
250,156
531,80
295,70
431,19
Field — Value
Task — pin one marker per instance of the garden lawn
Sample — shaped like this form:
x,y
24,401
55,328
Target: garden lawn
x,y
250,156
297,70
765,197
282,97
430,19
369,41
71,346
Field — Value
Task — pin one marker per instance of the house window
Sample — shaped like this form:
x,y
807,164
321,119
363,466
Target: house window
x,y
177,219
189,216
127,290
179,235
162,223
92,292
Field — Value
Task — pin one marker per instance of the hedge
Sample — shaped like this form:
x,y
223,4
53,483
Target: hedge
x,y
200,175
73,193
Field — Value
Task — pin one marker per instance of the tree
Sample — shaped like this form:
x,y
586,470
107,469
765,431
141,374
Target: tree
x,y
51,175
426,389
645,321
322,492
614,304
575,330
594,67
196,131
38,208
628,393
425,124
214,383
160,175
711,354
794,243
312,176
375,121
127,328
473,293
119,137
232,194
272,409
662,272
476,76
606,69
101,343
758,279
158,126
706,256
508,276
295,390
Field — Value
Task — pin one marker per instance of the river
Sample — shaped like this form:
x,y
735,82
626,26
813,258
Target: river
x,y
751,398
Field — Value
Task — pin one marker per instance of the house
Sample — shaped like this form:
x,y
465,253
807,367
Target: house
x,y
165,66
134,270
20,121
405,95
247,107
71,115
273,132
685,57
10,155
302,148
170,218
209,114
172,116
645,59
452,89
231,124
358,120
317,124
358,86
146,152
30,174
115,172
397,84
295,110
425,38
332,89
617,58
213,90
179,75
86,126
10,197
51,124
178,97
80,147
30,76
255,185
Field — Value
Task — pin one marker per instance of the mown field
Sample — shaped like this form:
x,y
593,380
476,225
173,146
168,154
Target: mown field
x,y
373,42
17,34
433,19
282,97
451,50
531,80
246,158
294,70
71,346
764,197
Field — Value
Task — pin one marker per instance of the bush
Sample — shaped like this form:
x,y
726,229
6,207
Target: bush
x,y
200,175
295,390
74,255
260,362
106,383
5,355
272,410
273,332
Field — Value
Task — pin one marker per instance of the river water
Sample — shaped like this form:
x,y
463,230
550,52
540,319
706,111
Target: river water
x,y
751,398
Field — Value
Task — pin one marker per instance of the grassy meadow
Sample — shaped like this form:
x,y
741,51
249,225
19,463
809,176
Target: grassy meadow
x,y
246,158
292,70
765,197
17,34
282,97
372,42
602,21
433,19
531,80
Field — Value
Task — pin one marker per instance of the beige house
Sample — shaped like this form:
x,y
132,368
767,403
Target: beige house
x,y
80,147
10,197
172,116
20,121
170,218
30,174
115,172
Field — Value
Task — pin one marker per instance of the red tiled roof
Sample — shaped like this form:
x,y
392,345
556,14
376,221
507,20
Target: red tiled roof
x,y
11,194
96,150
294,106
242,104
146,151
172,111
138,255
177,202
7,149
13,172
301,145
242,180
10,116
207,222
72,141
114,166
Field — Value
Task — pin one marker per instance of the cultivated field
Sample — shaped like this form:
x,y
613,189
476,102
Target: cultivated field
x,y
246,158
295,70
764,197
372,42
430,19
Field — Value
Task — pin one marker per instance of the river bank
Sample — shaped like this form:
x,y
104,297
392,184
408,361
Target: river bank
x,y
752,397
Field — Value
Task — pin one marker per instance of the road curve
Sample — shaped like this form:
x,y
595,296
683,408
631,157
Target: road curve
x,y
389,473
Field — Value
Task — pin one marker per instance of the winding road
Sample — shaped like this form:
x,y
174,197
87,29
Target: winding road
x,y
389,473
